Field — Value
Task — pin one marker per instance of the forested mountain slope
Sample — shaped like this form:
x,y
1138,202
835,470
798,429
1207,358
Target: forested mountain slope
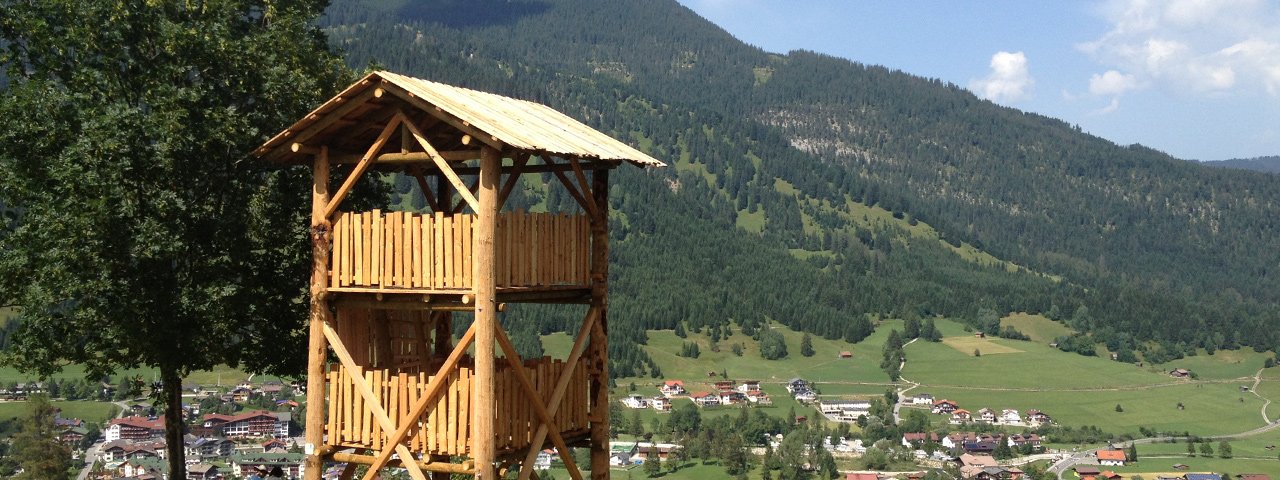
x,y
813,190
1261,164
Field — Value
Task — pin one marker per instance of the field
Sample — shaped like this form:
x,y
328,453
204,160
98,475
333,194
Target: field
x,y
84,410
221,375
985,346
1038,327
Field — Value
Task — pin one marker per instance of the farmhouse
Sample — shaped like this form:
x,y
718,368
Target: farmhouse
x,y
1010,416
861,476
917,439
749,386
846,354
986,415
1028,439
673,388
922,399
1036,418
1202,476
961,416
731,397
797,384
1083,471
759,398
945,406
1111,457
706,399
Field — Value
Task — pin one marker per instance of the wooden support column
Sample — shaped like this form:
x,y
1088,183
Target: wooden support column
x,y
484,409
317,349
600,302
444,333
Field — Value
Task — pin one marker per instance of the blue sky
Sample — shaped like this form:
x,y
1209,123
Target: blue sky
x,y
1199,79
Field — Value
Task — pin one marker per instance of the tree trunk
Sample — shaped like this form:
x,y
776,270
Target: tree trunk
x,y
171,387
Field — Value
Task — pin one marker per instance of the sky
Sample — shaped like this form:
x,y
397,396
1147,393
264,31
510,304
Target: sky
x,y
1198,79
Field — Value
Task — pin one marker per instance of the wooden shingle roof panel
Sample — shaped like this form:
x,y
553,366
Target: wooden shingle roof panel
x,y
519,124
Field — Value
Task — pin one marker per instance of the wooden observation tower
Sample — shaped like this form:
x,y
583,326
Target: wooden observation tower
x,y
384,284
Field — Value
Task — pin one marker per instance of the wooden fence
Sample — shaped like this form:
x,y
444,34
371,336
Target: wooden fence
x,y
401,250
445,429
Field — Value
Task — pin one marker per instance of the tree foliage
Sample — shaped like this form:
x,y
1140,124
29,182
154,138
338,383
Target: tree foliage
x,y
36,447
147,236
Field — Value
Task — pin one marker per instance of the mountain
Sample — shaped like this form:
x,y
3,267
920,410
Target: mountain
x,y
810,190
1259,164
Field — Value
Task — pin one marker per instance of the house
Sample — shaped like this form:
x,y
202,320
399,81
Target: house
x,y
922,399
725,384
986,415
72,435
979,335
749,386
661,403
635,401
759,398
1180,466
134,428
1024,440
977,460
140,468
120,450
846,354
1253,476
543,461
1180,373
961,416
731,397
205,447
673,388
621,453
255,423
203,471
915,440
1036,418
1010,416
1112,457
664,450
806,396
706,399
293,464
945,406
990,473
1108,475
275,445
797,384
1202,476
861,476
1083,471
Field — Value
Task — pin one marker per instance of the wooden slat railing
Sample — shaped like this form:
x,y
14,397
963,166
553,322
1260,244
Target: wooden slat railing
x,y
445,429
400,250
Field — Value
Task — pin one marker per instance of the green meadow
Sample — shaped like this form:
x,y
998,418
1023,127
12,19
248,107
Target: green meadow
x,y
84,410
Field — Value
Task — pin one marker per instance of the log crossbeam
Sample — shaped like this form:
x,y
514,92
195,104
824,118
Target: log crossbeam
x,y
441,163
361,167
434,388
517,364
562,385
587,205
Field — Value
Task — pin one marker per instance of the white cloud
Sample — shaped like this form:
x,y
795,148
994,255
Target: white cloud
x,y
1112,83
1190,47
1009,80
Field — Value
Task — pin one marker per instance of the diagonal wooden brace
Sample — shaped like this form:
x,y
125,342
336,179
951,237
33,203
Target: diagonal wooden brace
x,y
371,400
441,163
517,364
434,388
583,185
365,161
587,206
575,354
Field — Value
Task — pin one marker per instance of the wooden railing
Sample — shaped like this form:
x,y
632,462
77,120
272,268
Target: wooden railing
x,y
445,429
400,250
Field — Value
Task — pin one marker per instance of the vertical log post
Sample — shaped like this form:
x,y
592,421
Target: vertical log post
x,y
600,301
317,349
484,409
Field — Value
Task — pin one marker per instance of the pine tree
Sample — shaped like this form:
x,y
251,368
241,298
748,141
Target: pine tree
x,y
806,345
36,447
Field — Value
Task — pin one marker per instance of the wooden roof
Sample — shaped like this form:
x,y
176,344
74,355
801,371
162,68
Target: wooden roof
x,y
350,121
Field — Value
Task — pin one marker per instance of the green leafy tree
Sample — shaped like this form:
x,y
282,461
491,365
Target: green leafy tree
x,y
147,236
1206,450
772,345
1133,452
36,447
1224,449
652,464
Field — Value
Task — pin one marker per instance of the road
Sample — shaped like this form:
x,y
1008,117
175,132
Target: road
x,y
897,407
91,454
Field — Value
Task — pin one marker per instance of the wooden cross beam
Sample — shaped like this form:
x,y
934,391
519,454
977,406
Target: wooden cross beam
x,y
586,205
426,190
371,400
434,388
575,354
582,183
441,164
360,168
513,358
517,169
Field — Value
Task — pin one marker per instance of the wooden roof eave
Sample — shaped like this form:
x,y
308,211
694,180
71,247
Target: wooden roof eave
x,y
279,146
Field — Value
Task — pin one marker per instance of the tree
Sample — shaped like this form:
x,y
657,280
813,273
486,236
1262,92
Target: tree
x,y
652,463
977,353
1206,450
36,447
1119,408
147,236
1133,452
1191,448
772,345
1224,449
806,345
